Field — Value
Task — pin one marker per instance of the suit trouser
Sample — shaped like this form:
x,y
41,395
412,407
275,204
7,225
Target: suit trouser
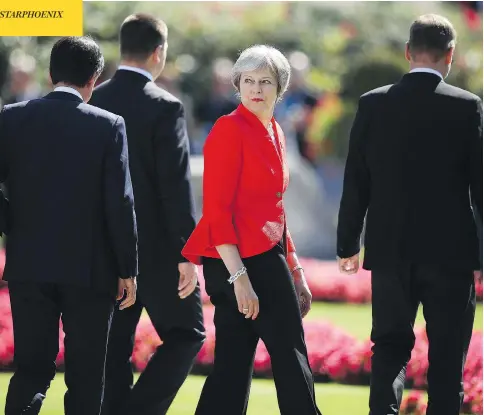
x,y
86,317
179,324
279,325
448,298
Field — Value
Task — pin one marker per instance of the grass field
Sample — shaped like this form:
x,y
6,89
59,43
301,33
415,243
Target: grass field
x,y
356,318
333,399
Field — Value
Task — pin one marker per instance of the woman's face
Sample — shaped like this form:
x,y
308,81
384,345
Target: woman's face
x,y
258,92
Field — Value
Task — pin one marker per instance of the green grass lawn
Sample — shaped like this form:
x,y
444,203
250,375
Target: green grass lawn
x,y
332,399
356,318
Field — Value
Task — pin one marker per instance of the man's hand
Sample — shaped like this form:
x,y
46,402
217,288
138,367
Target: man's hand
x,y
129,285
350,265
188,279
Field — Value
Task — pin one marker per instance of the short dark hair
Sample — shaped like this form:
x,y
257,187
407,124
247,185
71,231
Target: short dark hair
x,y
433,35
75,60
140,35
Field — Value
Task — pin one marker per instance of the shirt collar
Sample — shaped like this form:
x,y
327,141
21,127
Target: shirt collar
x,y
69,90
428,70
138,70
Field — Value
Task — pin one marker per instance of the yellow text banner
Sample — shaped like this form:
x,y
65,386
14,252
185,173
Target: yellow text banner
x,y
41,18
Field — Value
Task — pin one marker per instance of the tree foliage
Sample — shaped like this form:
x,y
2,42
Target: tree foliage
x,y
352,46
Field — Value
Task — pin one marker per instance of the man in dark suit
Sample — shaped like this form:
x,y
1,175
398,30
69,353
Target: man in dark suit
x,y
71,231
168,286
414,168
3,211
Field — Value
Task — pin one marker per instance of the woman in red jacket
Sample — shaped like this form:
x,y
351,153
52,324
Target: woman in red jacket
x,y
249,260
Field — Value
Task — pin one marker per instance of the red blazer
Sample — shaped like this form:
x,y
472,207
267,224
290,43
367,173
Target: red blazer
x,y
244,179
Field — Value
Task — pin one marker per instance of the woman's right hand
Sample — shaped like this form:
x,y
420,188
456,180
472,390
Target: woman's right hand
x,y
247,299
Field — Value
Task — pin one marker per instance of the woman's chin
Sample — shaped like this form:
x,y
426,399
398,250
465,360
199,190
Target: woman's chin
x,y
258,108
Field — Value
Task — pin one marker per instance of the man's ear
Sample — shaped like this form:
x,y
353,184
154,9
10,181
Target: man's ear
x,y
408,57
92,82
156,56
449,56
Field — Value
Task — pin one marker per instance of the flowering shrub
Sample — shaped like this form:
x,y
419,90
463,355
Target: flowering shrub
x,y
415,403
2,266
334,355
6,330
327,284
324,280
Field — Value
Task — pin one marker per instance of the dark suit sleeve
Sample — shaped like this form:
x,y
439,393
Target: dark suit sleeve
x,y
4,206
476,157
172,155
475,164
356,188
119,203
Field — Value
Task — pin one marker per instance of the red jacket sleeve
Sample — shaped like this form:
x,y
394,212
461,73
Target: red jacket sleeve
x,y
290,243
222,167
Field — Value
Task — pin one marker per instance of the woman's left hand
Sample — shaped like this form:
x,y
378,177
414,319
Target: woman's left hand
x,y
303,292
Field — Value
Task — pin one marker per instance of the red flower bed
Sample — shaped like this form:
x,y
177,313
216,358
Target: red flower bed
x,y
327,284
2,266
324,280
6,330
479,286
334,355
473,376
337,356
415,403
6,334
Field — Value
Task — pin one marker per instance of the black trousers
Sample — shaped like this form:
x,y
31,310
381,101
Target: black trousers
x,y
448,298
179,324
279,325
86,316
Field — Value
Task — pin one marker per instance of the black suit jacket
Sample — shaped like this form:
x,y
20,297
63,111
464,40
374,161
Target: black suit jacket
x,y
160,168
4,208
71,215
414,167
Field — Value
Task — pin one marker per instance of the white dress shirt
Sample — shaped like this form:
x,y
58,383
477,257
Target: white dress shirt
x,y
138,70
69,90
428,70
271,133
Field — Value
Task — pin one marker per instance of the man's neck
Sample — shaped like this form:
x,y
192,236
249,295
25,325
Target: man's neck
x,y
425,65
82,91
135,64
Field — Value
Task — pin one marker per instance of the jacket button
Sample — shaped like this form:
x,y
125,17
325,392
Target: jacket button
x,y
279,194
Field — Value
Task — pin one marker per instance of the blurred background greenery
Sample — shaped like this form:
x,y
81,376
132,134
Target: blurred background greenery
x,y
338,50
